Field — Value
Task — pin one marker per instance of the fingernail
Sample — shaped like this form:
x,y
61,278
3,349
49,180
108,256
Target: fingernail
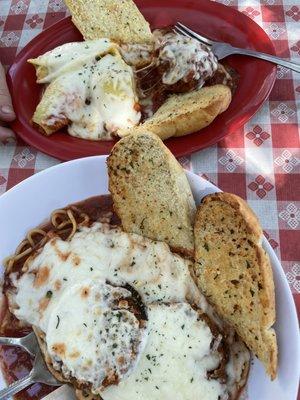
x,y
7,109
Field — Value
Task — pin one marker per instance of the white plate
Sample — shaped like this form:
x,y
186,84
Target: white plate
x,y
31,202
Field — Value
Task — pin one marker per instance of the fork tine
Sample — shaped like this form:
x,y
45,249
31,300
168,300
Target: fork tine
x,y
181,31
190,35
188,32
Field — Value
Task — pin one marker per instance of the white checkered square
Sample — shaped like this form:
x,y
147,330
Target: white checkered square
x,y
260,187
6,155
38,6
3,179
43,161
275,30
293,32
291,2
259,160
26,36
205,161
266,212
289,215
252,9
4,7
262,116
257,135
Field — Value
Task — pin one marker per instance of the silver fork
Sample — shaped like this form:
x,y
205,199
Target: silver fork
x,y
28,342
222,50
39,372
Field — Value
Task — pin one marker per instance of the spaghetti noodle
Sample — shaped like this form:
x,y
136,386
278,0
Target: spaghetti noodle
x,y
63,222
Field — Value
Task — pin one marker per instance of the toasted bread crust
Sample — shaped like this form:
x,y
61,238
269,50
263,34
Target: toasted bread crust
x,y
234,272
185,113
151,193
118,20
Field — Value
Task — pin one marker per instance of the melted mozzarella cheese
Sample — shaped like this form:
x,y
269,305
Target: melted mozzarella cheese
x,y
102,253
90,336
71,55
48,295
175,359
91,89
137,54
187,59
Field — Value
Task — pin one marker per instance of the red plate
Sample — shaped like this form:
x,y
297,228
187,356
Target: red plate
x,y
212,19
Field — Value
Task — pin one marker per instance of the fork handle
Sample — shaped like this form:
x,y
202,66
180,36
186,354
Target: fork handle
x,y
10,341
16,387
267,57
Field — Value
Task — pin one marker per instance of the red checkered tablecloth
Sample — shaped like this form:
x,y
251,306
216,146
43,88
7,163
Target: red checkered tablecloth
x,y
260,162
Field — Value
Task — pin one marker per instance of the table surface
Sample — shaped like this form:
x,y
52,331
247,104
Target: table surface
x,y
260,162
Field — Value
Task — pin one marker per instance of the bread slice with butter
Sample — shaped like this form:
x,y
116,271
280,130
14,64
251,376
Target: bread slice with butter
x,y
182,114
118,20
235,274
150,191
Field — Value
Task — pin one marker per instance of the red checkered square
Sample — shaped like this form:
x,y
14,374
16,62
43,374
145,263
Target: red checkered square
x,y
235,139
287,187
272,13
289,245
283,89
234,183
17,175
286,135
14,22
7,55
282,48
52,18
